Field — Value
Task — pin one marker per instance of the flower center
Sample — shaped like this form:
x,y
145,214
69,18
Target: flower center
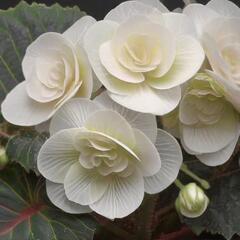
x,y
105,156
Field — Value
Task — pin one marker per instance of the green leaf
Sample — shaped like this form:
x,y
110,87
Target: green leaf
x,y
26,214
20,26
24,149
223,214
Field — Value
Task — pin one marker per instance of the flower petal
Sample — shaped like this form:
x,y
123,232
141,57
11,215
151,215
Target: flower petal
x,y
211,138
84,186
129,9
200,14
150,161
86,77
73,114
221,156
111,124
171,156
145,122
155,3
123,196
57,155
77,31
224,8
148,100
111,64
179,24
188,60
99,33
47,46
56,194
19,109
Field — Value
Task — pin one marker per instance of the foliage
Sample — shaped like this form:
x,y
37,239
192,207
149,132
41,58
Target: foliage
x,y
26,214
23,148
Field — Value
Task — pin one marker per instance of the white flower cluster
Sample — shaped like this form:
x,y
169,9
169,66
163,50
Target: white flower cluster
x,y
105,152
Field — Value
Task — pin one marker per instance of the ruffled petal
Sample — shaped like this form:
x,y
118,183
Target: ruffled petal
x,y
148,100
57,155
19,109
123,196
171,157
77,31
150,161
73,114
56,194
145,122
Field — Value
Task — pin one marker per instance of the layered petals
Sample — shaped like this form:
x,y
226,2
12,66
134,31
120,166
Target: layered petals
x,y
171,161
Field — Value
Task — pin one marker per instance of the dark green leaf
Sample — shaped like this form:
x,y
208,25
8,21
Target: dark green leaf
x,y
24,149
223,214
21,25
25,213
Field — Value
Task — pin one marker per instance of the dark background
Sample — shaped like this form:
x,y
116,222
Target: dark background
x,y
97,8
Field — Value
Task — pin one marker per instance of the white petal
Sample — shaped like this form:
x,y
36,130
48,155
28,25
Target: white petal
x,y
47,46
99,33
179,24
56,194
200,14
211,138
187,111
171,156
123,196
224,8
96,83
150,161
148,100
57,155
145,122
111,64
221,156
188,60
129,9
77,31
86,134
111,124
155,3
86,77
73,114
231,91
84,186
19,109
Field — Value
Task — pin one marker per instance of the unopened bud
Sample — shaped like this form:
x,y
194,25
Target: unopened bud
x,y
192,201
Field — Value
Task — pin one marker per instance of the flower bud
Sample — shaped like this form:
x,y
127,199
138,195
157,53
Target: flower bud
x,y
3,158
192,201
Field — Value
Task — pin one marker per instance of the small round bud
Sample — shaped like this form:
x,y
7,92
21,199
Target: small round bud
x,y
3,158
192,201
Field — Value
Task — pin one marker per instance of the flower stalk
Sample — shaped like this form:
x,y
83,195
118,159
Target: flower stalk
x,y
205,184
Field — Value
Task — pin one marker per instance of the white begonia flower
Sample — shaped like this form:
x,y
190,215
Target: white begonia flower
x,y
209,125
102,157
192,202
142,54
217,25
55,68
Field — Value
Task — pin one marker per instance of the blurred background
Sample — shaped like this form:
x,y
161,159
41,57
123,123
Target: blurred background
x,y
96,8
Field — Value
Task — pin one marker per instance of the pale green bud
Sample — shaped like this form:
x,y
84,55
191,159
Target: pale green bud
x,y
192,201
3,158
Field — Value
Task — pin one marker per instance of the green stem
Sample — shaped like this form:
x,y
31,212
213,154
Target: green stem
x,y
179,184
205,184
